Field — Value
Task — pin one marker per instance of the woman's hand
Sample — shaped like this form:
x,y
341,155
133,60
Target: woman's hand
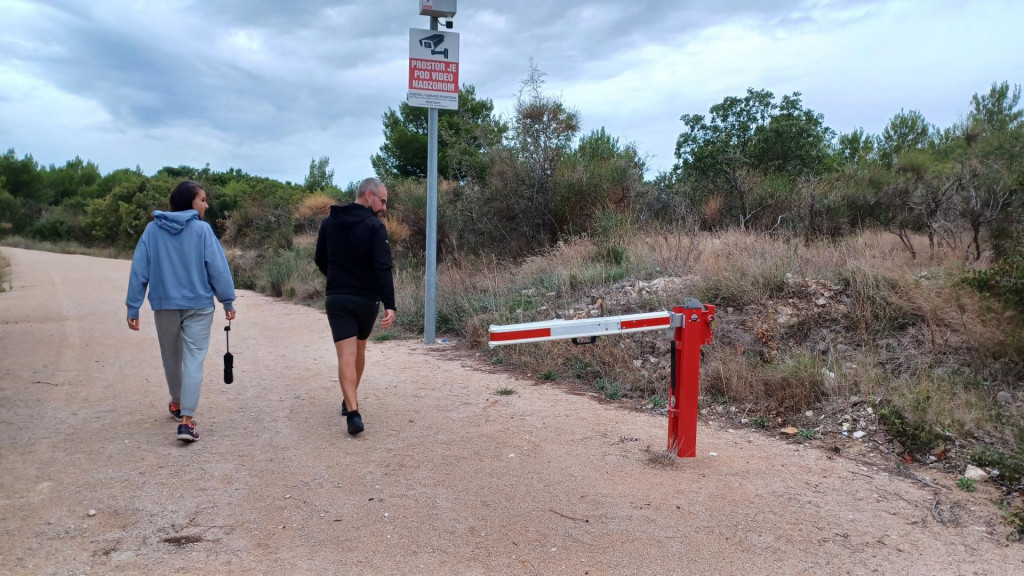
x,y
133,323
229,314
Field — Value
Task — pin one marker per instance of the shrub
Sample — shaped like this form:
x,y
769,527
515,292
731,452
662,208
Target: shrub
x,y
1005,280
966,484
62,224
310,212
1011,467
5,271
916,435
611,389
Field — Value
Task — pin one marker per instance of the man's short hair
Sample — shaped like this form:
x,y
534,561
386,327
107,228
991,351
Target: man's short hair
x,y
368,185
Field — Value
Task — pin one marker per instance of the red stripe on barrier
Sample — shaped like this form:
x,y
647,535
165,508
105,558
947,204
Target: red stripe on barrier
x,y
521,335
630,324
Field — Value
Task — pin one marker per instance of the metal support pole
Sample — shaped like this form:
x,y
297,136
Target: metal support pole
x,y
430,280
694,332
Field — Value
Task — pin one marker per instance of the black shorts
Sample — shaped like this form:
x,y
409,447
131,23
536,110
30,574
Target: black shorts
x,y
351,316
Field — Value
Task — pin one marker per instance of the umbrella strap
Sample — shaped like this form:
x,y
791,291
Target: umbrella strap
x,y
227,335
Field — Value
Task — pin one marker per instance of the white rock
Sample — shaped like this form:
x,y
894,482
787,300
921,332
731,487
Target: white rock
x,y
859,434
809,413
1005,397
976,474
829,377
92,512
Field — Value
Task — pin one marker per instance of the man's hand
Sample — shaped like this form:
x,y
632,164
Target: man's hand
x,y
133,323
387,320
229,314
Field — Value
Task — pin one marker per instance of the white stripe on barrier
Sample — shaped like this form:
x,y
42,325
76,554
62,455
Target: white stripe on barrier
x,y
582,328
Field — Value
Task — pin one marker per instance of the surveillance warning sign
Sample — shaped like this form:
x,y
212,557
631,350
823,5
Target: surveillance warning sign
x,y
433,69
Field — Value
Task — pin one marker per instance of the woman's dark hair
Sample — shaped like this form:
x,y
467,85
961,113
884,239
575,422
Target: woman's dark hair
x,y
184,194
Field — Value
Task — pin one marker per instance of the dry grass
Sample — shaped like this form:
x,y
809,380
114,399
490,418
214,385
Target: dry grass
x,y
5,272
66,248
311,211
864,319
398,234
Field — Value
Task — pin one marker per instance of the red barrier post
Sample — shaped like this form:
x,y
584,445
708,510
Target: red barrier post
x,y
692,333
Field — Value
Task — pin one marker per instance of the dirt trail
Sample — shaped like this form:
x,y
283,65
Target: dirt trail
x,y
448,478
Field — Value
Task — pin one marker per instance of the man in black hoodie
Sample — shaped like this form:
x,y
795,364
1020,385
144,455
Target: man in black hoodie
x,y
352,251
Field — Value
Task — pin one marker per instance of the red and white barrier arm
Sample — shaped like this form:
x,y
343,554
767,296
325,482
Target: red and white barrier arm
x,y
582,328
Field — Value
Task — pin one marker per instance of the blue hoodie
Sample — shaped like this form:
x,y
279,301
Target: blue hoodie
x,y
181,261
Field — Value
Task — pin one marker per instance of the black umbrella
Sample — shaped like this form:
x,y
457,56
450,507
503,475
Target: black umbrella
x,y
229,360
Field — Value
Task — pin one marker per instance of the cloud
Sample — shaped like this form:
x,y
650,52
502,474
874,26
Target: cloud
x,y
265,85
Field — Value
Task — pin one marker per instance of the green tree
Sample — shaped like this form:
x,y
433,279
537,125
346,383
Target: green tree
x,y
742,160
515,209
997,111
320,176
464,138
23,179
855,148
715,145
905,132
12,218
118,218
754,132
75,179
599,175
795,141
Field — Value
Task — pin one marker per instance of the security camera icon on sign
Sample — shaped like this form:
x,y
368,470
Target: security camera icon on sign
x,y
432,42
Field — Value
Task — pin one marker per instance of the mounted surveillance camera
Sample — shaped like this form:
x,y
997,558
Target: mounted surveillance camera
x,y
437,8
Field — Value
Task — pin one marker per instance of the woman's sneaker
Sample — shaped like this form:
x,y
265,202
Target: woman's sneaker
x,y
175,412
355,422
187,432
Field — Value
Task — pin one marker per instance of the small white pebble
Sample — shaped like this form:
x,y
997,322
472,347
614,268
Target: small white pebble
x,y
554,549
92,512
385,514
511,455
287,496
714,453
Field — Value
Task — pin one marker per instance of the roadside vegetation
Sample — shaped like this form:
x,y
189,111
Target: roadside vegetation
x,y
5,272
875,281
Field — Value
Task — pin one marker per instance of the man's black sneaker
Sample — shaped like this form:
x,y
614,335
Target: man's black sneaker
x,y
355,422
175,412
187,432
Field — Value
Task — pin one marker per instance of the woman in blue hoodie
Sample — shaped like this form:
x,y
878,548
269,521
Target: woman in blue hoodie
x,y
181,262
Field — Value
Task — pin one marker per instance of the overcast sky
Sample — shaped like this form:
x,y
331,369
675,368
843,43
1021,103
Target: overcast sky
x,y
266,85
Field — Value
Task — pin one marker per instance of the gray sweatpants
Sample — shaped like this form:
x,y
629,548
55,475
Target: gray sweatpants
x,y
184,337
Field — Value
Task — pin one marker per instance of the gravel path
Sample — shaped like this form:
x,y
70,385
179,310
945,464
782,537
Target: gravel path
x,y
449,478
